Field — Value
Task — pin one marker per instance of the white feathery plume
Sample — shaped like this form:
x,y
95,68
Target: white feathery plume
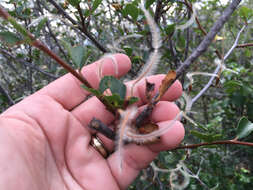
x,y
101,63
188,101
142,138
190,75
127,117
154,29
154,58
115,45
190,21
223,66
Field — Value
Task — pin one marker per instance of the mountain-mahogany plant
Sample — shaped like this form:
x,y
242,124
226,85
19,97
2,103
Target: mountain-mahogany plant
x,y
131,126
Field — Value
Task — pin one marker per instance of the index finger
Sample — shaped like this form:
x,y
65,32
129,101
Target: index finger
x,y
67,90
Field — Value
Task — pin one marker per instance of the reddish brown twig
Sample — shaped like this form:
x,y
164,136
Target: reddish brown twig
x,y
38,44
202,29
192,146
244,45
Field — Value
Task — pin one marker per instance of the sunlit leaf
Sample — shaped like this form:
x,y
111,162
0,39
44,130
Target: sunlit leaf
x,y
218,38
244,128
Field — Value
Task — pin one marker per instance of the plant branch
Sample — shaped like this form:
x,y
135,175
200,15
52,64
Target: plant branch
x,y
192,146
9,56
158,11
196,53
38,44
82,29
218,67
50,31
81,15
7,95
244,45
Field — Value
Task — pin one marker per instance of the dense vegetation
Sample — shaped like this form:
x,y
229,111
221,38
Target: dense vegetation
x,y
80,32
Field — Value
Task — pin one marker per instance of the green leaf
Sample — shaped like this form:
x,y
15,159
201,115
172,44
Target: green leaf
x,y
244,128
132,10
95,5
248,53
169,29
74,2
245,12
202,126
9,38
132,100
115,85
115,100
232,86
77,53
92,90
149,3
40,26
128,50
206,137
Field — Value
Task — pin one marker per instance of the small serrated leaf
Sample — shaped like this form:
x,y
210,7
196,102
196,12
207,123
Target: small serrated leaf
x,y
206,137
244,128
132,100
115,100
92,90
115,85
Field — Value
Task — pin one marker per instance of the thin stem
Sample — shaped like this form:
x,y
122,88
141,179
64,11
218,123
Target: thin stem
x,y
192,146
218,67
196,53
7,95
38,44
81,15
82,29
209,37
244,45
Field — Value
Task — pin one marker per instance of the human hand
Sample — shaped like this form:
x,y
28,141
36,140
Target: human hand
x,y
45,142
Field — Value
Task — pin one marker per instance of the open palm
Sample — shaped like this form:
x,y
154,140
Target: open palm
x,y
45,142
